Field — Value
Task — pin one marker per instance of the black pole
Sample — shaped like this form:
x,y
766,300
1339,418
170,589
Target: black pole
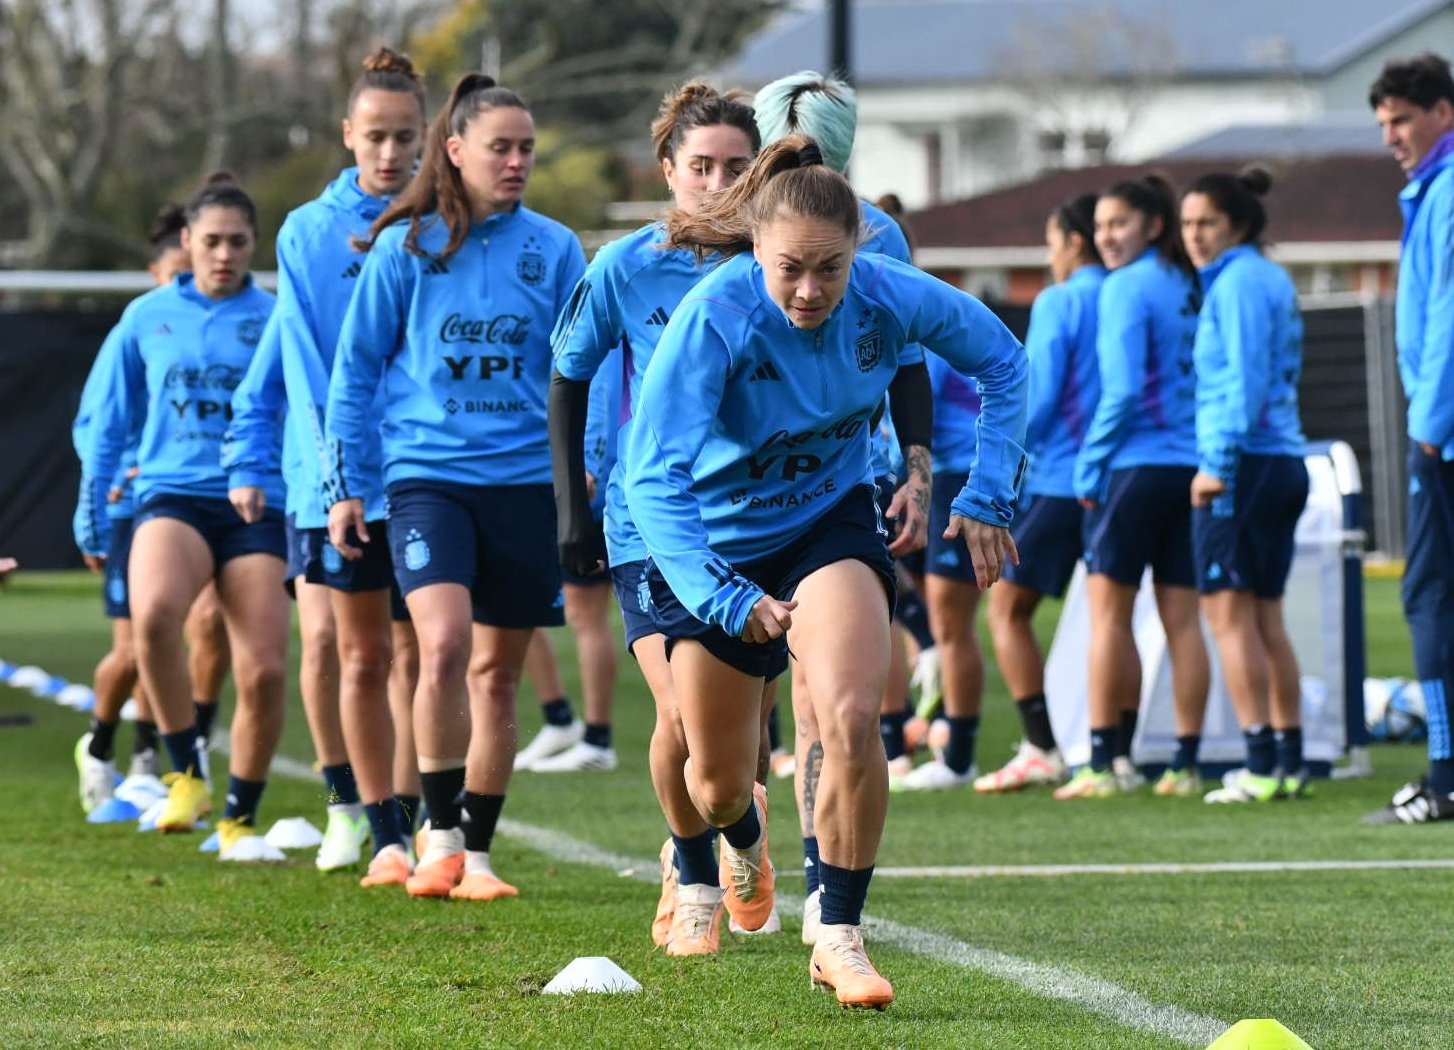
x,y
840,40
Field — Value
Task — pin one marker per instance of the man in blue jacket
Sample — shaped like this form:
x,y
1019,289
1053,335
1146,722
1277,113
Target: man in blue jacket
x,y
1413,100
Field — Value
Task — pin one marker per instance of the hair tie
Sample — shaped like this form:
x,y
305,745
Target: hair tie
x,y
810,155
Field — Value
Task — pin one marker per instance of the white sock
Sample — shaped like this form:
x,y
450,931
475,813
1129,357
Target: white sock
x,y
477,862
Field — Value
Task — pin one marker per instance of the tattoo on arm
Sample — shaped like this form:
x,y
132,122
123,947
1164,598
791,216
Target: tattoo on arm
x,y
812,770
918,464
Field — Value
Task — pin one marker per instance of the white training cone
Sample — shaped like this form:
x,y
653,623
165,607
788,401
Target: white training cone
x,y
591,973
128,710
77,697
28,677
293,833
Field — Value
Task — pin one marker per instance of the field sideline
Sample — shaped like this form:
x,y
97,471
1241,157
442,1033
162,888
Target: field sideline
x,y
117,939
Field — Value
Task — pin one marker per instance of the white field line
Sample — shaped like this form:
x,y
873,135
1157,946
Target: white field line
x,y
1223,868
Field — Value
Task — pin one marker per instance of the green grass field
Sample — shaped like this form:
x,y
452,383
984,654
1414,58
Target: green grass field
x,y
111,938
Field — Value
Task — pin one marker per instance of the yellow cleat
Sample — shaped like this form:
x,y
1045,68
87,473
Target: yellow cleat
x,y
187,802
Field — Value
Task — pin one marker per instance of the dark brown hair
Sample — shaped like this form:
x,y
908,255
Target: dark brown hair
x,y
1422,80
388,70
699,105
166,229
1077,217
1238,197
1154,198
221,190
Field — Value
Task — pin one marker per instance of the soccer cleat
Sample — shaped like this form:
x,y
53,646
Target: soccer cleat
x,y
239,842
144,764
1245,786
916,733
390,867
1089,784
900,767
774,924
187,802
441,867
1414,804
343,837
97,776
1296,785
666,904
1358,766
482,886
840,963
928,681
932,776
579,758
812,916
551,740
782,764
1128,777
696,920
1178,783
748,875
1029,767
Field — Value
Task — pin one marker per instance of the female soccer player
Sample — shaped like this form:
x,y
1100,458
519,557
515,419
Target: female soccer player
x,y
746,473
344,607
1251,484
1132,474
1064,386
116,676
452,315
703,141
182,350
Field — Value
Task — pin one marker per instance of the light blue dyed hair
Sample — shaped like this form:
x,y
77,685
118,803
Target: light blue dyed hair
x,y
815,105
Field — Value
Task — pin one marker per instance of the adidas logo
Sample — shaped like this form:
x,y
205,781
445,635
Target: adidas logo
x,y
436,267
165,329
766,370
353,270
658,316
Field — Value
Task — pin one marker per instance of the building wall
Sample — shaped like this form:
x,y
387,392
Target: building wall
x,y
1347,89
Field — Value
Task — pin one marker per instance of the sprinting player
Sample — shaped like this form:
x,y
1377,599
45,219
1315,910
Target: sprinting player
x,y
181,351
1413,100
1132,475
1064,386
452,314
703,141
116,677
753,501
1252,483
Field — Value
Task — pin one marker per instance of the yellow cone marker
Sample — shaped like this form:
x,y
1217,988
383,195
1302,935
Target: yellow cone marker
x,y
1265,1034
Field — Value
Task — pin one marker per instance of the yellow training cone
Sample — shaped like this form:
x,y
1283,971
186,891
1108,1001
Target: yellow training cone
x,y
1265,1034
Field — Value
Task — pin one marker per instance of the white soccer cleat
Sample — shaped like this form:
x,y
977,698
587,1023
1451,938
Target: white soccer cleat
x,y
1128,777
812,916
900,767
551,740
1030,767
579,758
97,776
144,764
774,924
932,776
928,681
1359,765
343,837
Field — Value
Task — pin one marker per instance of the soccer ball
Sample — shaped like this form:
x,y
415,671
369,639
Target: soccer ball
x,y
1394,710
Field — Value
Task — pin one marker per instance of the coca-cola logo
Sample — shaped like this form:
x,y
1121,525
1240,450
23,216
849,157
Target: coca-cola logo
x,y
507,329
212,377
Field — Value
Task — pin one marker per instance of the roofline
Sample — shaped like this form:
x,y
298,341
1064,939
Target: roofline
x,y
1375,35
98,281
1033,256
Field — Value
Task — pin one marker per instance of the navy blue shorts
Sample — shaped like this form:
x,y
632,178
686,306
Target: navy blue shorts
x,y
850,530
496,540
947,558
1047,533
373,572
114,596
633,594
1245,540
1145,520
227,535
300,551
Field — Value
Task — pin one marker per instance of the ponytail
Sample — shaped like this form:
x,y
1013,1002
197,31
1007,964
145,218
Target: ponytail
x,y
1077,217
1154,198
388,70
698,105
220,190
1239,198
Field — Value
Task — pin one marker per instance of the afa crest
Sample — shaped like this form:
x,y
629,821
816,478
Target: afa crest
x,y
249,331
531,264
868,351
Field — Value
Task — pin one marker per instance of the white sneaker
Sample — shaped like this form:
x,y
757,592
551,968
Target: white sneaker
x,y
1128,777
900,767
144,764
928,681
551,740
579,758
783,764
1359,766
812,916
343,837
97,776
774,924
932,776
1029,767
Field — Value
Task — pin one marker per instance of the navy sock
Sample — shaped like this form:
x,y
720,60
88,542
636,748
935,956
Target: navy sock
x,y
1035,721
557,712
1128,732
484,811
242,799
810,864
206,716
844,892
745,830
441,794
182,750
913,616
1103,747
103,740
891,729
1289,744
146,737
408,806
1441,776
774,730
1261,750
1187,748
959,755
598,735
384,823
342,788
696,863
